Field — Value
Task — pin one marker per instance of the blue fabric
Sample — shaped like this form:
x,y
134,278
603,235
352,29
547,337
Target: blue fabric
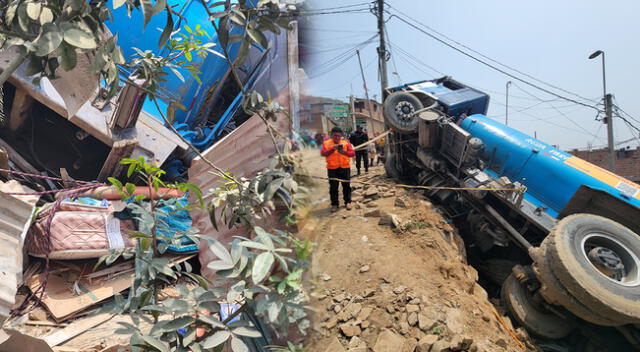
x,y
174,218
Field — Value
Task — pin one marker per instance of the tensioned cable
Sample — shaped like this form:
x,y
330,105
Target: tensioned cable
x,y
494,67
489,58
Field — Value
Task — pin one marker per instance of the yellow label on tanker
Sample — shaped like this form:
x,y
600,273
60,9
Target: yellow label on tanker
x,y
625,186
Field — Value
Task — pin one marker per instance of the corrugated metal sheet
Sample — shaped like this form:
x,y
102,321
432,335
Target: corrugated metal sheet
x,y
243,152
15,218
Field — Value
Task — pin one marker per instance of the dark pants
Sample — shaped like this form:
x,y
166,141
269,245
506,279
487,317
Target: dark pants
x,y
361,155
343,174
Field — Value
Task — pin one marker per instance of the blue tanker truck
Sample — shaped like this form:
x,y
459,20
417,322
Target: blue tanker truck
x,y
559,234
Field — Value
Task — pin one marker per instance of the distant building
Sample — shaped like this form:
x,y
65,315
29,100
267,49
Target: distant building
x,y
367,113
320,114
627,160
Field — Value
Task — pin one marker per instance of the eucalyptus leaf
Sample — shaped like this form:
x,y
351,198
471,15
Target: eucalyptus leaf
x,y
166,32
220,251
261,267
147,10
118,3
33,10
178,323
246,331
67,57
217,339
78,37
238,346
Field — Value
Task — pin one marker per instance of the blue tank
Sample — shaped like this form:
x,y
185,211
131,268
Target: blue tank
x,y
551,176
132,34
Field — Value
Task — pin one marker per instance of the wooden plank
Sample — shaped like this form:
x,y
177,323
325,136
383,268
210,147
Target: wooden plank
x,y
122,148
76,328
20,108
16,158
63,302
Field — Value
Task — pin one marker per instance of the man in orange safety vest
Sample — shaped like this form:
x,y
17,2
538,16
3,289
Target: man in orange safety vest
x,y
337,150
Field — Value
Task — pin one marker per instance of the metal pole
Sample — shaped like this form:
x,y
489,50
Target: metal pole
x,y
608,111
382,49
506,114
366,91
609,114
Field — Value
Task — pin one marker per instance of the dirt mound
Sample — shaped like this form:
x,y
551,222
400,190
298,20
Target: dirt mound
x,y
390,275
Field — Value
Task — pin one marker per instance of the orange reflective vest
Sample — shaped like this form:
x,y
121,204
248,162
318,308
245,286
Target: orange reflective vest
x,y
336,160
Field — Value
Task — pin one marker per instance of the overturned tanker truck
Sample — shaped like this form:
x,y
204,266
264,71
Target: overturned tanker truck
x,y
566,231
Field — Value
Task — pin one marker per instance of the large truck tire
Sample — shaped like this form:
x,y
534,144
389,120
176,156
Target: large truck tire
x,y
598,261
400,111
390,167
553,291
518,302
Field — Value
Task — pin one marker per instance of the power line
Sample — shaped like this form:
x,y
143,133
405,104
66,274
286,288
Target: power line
x,y
493,66
556,109
313,13
339,7
489,58
350,80
415,59
393,58
339,60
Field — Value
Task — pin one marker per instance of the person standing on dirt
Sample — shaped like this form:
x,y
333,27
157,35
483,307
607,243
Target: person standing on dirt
x,y
337,152
359,137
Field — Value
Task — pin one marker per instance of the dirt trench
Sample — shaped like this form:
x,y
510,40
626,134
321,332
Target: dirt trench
x,y
391,276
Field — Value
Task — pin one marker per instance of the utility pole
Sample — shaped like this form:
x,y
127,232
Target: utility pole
x,y
608,111
609,114
382,49
366,91
506,113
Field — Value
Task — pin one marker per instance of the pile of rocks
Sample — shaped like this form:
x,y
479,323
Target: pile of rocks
x,y
390,319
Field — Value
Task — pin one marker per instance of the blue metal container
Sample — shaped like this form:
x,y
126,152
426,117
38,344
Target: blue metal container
x,y
552,176
132,34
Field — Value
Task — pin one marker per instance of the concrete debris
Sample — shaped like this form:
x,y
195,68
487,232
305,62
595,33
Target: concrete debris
x,y
364,269
372,193
399,289
390,220
425,343
350,330
388,341
325,277
335,346
373,214
400,202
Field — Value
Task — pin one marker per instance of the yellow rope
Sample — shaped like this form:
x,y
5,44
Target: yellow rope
x,y
387,185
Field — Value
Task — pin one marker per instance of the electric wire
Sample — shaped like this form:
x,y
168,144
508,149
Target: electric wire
x,y
339,60
493,66
393,58
339,7
489,58
556,109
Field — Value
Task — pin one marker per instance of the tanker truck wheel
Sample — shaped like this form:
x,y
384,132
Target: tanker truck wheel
x,y
521,306
400,111
390,167
597,260
553,291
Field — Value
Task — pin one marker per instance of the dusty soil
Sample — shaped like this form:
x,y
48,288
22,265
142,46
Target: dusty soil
x,y
403,288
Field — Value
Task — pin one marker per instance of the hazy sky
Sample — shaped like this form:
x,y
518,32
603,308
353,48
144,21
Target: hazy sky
x,y
549,40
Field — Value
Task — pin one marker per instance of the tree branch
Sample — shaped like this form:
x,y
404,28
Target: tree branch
x,y
221,173
13,66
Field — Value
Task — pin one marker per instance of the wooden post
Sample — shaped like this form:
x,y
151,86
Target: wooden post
x,y
20,108
294,84
123,146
